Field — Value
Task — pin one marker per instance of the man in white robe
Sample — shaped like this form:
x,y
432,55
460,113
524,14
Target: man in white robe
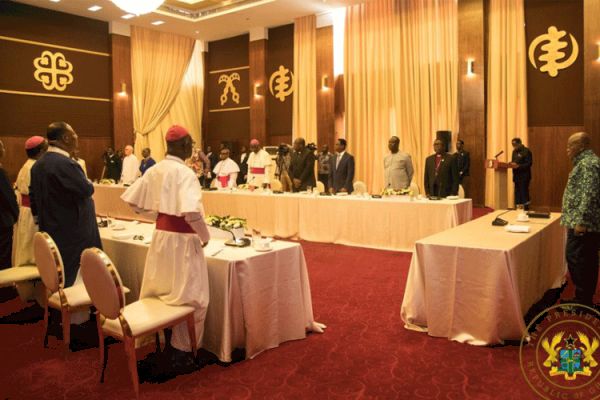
x,y
259,166
175,269
226,171
26,227
131,167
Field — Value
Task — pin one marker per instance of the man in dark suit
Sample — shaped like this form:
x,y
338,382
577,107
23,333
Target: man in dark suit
x,y
302,166
113,165
341,170
521,163
61,199
9,213
441,172
463,160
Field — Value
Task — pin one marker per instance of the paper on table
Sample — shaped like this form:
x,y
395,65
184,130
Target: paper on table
x,y
517,228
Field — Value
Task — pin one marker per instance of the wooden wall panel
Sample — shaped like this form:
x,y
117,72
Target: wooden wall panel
x,y
122,105
280,51
258,108
591,78
325,97
472,117
551,166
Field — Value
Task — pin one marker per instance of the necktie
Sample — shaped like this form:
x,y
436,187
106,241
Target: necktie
x,y
337,161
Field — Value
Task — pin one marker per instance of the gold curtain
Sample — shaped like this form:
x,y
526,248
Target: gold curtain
x,y
158,63
401,78
304,117
507,87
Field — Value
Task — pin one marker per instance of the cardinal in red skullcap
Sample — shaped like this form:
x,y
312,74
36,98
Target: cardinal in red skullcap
x,y
175,267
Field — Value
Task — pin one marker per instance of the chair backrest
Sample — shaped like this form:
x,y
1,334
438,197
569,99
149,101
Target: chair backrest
x,y
414,188
461,191
102,282
48,261
360,187
320,187
276,184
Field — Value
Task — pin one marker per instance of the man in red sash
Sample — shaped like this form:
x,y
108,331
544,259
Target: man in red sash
x,y
259,166
175,269
226,171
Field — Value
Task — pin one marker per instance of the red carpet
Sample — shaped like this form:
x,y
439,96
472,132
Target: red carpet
x,y
365,352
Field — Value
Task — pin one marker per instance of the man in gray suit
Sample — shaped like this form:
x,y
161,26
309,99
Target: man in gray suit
x,y
398,166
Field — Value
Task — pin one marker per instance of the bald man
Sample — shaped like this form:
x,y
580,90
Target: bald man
x,y
131,167
581,216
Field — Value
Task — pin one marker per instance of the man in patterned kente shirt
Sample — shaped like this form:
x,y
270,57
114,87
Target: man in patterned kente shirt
x,y
581,216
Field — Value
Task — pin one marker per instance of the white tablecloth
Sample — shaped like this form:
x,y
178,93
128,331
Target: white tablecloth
x,y
257,299
474,283
393,223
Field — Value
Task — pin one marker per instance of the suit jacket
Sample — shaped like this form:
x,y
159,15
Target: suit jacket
x,y
302,166
241,179
524,159
343,175
61,198
463,163
9,209
445,183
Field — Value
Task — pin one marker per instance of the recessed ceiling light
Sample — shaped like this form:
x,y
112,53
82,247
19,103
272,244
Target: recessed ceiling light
x,y
95,8
128,16
158,23
55,1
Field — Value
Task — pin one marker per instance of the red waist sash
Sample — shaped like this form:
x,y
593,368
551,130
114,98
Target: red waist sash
x,y
255,170
171,223
224,180
25,201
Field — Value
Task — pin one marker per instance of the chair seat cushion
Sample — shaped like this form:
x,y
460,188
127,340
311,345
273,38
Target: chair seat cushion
x,y
10,276
147,315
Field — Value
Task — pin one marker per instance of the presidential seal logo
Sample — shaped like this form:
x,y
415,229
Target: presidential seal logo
x,y
559,354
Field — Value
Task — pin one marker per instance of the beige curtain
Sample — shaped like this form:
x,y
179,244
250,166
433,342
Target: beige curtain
x,y
401,78
158,63
186,109
304,117
507,87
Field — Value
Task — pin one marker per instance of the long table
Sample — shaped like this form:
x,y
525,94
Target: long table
x,y
393,223
257,299
474,283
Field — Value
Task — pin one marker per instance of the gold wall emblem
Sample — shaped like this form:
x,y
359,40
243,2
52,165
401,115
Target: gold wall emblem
x,y
53,71
552,54
284,84
229,87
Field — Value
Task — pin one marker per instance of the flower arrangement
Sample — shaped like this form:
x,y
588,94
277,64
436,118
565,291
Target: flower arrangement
x,y
392,192
226,223
243,186
107,181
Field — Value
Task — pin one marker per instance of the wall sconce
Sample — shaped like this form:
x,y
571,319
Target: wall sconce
x,y
598,59
123,92
325,82
470,67
259,90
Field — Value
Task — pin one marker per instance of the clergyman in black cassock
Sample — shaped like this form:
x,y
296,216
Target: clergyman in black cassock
x,y
441,173
61,199
9,212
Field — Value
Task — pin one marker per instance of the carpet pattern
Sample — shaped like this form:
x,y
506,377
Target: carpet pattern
x,y
365,353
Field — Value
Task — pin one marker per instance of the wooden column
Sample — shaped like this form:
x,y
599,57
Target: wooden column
x,y
258,76
122,102
472,114
325,95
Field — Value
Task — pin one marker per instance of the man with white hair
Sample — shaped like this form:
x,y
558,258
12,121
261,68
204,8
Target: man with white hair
x,y
131,166
259,164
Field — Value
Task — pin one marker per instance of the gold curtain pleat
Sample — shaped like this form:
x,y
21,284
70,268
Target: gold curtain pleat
x,y
507,87
304,117
158,63
401,78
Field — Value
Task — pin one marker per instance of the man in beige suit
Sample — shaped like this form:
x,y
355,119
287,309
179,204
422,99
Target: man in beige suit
x,y
398,166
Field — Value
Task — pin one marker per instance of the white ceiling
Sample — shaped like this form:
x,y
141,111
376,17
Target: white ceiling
x,y
275,13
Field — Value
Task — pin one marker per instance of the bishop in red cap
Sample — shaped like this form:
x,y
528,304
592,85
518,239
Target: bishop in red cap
x,y
176,132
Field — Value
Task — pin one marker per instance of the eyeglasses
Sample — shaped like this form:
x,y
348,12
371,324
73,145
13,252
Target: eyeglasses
x,y
138,237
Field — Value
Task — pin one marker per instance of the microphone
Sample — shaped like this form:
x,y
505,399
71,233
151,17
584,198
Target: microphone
x,y
499,154
499,221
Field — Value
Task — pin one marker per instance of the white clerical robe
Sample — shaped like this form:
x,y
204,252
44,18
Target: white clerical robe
x,y
24,231
226,172
175,269
258,161
131,169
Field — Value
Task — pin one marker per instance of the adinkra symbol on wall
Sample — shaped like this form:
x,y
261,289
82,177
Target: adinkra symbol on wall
x,y
281,83
552,58
229,88
53,71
